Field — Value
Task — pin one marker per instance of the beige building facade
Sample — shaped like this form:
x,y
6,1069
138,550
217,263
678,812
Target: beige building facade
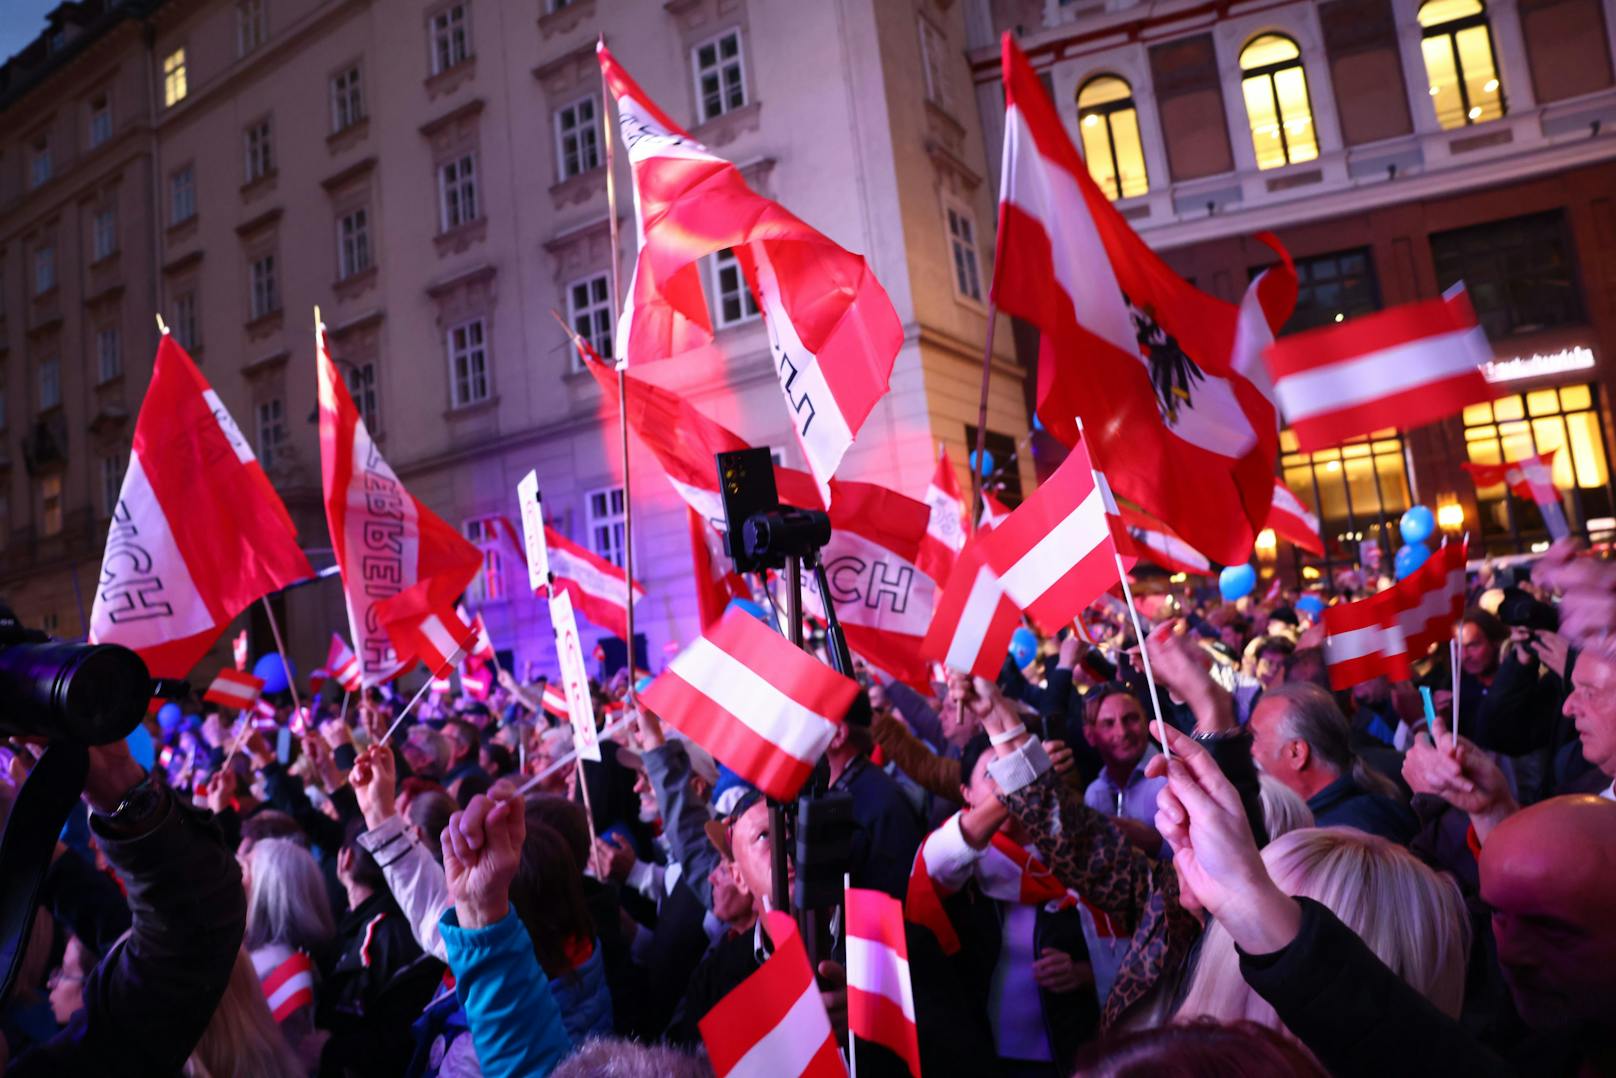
x,y
431,175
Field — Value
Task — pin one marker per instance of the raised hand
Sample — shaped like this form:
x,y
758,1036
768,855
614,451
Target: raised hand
x,y
1587,590
1465,777
336,733
482,847
374,777
612,858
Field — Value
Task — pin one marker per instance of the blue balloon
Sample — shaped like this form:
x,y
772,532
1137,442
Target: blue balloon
x,y
1236,582
140,747
755,610
1311,605
1409,559
1037,424
643,684
987,459
169,716
1417,525
1023,646
274,672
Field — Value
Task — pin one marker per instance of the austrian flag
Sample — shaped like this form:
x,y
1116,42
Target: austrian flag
x,y
880,998
232,688
342,664
762,707
598,587
1389,631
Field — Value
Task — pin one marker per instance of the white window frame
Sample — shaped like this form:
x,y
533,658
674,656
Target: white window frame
x,y
954,209
270,419
934,64
596,313
347,98
718,263
252,25
40,167
697,70
50,382
175,85
463,181
461,349
605,524
353,243
265,288
489,585
187,330
181,195
103,234
586,136
108,354
100,119
456,17
258,150
112,468
44,269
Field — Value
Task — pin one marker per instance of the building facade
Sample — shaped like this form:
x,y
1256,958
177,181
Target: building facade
x,y
431,174
1396,147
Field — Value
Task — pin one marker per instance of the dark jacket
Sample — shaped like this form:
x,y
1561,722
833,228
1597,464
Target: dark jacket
x,y
150,999
1356,1015
886,831
373,990
1344,803
84,901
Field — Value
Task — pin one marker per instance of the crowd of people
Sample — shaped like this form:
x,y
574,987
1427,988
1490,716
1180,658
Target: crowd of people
x,y
1306,882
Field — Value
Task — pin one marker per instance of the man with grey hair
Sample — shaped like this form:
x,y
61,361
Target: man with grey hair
x,y
1300,737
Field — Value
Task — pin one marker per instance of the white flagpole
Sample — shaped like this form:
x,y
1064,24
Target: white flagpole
x,y
280,648
979,466
345,707
1455,649
852,1039
1144,655
425,685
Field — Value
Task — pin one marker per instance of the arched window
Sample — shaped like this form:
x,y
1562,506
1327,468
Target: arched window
x,y
1459,62
1110,125
1275,89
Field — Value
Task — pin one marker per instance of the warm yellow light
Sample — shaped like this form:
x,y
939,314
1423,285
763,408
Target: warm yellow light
x,y
1450,517
1310,572
1435,90
1178,578
1490,87
1333,466
1339,316
1475,112
1267,541
1090,120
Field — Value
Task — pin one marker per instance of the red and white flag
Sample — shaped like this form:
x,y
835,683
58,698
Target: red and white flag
x,y
555,702
971,627
1167,379
1389,631
238,647
946,530
764,708
716,581
1058,550
232,688
1155,541
1402,367
1532,479
477,680
438,638
994,513
290,986
198,533
400,562
880,998
1294,521
482,648
596,585
833,331
342,664
773,1024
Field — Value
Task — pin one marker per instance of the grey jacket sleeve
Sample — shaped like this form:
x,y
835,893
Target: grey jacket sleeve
x,y
684,819
416,880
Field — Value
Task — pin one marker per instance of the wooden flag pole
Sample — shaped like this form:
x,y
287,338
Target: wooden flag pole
x,y
979,465
607,111
280,649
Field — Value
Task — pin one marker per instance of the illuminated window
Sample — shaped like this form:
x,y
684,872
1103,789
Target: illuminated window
x,y
1275,88
1561,420
1359,490
1460,67
174,88
1110,125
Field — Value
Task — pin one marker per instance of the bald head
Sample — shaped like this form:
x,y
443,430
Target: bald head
x,y
1549,873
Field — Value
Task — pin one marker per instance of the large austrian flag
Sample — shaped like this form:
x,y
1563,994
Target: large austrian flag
x,y
833,331
598,587
762,707
1155,542
773,1024
400,563
1402,367
1167,380
1058,551
198,533
1389,631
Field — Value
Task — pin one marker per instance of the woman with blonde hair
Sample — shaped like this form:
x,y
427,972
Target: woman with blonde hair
x,y
1283,809
289,929
1410,916
242,1039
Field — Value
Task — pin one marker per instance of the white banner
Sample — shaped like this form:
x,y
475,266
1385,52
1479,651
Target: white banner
x,y
574,678
538,557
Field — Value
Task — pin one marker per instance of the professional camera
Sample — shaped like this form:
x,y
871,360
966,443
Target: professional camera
x,y
1520,610
90,694
759,532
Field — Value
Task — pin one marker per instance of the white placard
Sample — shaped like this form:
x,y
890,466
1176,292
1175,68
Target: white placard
x,y
538,556
574,678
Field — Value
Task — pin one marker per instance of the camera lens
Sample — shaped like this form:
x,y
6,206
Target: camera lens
x,y
92,694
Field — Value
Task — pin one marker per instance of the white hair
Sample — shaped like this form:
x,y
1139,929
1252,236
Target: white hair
x,y
287,901
1409,915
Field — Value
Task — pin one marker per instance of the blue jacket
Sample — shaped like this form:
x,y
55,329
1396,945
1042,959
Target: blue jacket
x,y
514,1016
584,999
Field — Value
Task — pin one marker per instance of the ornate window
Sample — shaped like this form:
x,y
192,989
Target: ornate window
x,y
1275,89
1109,123
1459,62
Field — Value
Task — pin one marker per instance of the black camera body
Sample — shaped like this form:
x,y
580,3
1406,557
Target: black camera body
x,y
759,532
91,694
1520,610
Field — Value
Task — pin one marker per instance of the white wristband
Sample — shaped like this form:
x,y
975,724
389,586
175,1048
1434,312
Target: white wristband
x,y
1008,735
